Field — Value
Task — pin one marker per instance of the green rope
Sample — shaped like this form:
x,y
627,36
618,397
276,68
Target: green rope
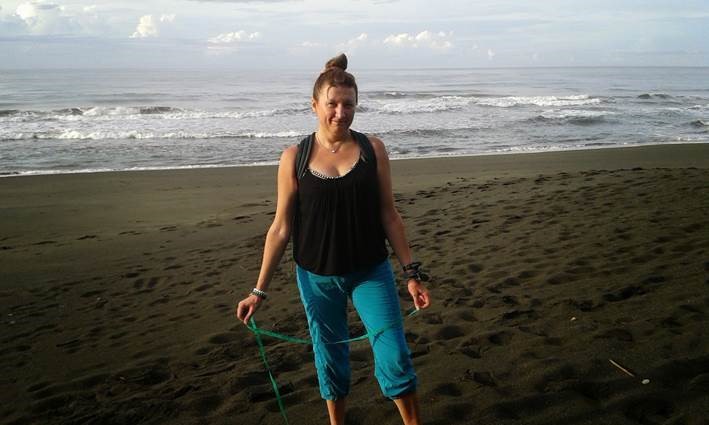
x,y
268,368
258,332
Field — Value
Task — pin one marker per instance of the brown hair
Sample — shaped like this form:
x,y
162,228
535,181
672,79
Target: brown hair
x,y
335,75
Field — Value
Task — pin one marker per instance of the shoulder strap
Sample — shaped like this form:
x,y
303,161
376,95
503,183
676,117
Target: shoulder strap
x,y
366,146
303,155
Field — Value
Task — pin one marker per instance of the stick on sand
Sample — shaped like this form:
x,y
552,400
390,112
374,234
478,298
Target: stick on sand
x,y
621,368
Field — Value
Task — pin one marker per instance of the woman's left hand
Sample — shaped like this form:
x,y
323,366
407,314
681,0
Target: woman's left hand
x,y
419,293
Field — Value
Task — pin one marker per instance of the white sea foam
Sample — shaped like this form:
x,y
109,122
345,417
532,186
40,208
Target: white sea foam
x,y
100,113
414,106
112,111
510,101
266,135
574,113
154,168
541,147
194,115
136,134
132,134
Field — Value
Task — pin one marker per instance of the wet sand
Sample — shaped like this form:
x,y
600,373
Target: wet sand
x,y
117,293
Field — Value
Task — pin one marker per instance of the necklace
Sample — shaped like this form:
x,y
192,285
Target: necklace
x,y
332,150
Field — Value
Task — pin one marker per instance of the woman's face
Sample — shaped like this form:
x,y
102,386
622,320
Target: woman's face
x,y
335,108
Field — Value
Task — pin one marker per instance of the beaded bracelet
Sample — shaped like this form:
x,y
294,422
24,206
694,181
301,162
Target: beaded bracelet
x,y
412,271
412,266
259,293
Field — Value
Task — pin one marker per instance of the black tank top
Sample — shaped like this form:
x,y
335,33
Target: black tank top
x,y
337,225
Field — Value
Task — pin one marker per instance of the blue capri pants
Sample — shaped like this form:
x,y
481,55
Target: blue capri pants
x,y
374,296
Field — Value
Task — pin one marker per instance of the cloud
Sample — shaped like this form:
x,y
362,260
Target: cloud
x,y
44,18
235,37
360,38
230,42
425,39
310,44
27,12
148,27
30,12
353,43
245,1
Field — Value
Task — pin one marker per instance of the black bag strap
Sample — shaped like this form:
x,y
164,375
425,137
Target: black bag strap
x,y
306,145
366,147
303,155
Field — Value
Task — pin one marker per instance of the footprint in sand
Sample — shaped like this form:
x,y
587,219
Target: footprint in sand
x,y
449,332
92,293
616,334
482,378
648,409
447,389
45,243
500,338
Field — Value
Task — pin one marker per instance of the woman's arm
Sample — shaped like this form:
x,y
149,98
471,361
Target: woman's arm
x,y
393,224
278,234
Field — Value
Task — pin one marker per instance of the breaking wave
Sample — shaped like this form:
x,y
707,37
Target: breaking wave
x,y
572,116
136,112
135,134
511,101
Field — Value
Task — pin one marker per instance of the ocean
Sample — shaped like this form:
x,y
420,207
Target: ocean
x,y
69,121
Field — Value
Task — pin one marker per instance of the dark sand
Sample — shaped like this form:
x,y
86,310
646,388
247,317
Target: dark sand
x,y
117,293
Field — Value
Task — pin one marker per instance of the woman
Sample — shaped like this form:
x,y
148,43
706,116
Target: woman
x,y
340,211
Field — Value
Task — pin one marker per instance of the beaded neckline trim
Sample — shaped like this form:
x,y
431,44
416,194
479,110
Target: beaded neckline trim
x,y
326,177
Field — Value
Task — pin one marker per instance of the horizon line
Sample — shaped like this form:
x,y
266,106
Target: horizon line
x,y
399,68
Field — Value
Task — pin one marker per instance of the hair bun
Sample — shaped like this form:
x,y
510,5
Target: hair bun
x,y
339,61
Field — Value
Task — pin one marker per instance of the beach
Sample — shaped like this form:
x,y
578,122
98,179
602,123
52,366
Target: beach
x,y
117,294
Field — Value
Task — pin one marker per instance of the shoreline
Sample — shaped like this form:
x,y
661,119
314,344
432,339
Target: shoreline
x,y
275,163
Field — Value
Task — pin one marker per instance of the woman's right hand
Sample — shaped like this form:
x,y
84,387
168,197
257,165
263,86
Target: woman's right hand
x,y
247,307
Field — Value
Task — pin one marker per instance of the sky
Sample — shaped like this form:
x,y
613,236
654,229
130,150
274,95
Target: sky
x,y
300,34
